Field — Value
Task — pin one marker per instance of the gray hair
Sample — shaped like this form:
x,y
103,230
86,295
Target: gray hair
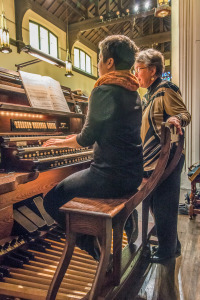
x,y
152,57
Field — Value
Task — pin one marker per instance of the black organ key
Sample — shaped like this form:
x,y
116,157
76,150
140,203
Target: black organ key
x,y
13,262
13,242
58,233
26,253
5,271
37,247
25,259
54,237
20,239
43,242
6,245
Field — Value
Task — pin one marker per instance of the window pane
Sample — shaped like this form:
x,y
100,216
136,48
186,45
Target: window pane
x,y
88,64
76,58
34,36
82,60
53,45
44,40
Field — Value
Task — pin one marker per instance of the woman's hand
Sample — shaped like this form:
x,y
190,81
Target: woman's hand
x,y
176,122
69,141
54,142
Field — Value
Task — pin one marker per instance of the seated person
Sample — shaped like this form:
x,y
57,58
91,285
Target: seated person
x,y
113,126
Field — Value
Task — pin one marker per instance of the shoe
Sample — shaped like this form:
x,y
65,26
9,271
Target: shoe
x,y
183,209
159,259
177,253
131,227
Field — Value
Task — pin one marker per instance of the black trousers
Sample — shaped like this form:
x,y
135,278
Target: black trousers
x,y
164,204
86,183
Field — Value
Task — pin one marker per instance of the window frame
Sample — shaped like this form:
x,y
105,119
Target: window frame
x,y
49,32
79,68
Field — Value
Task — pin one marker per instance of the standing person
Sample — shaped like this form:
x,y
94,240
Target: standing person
x,y
161,103
113,126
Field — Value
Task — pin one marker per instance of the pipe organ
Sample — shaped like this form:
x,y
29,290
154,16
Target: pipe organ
x,y
30,250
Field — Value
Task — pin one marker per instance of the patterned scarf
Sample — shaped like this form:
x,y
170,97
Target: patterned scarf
x,y
122,78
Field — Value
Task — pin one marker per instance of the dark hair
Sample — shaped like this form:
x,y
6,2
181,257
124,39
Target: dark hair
x,y
121,49
152,57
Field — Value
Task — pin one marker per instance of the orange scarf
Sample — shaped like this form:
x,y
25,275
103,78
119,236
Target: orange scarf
x,y
122,78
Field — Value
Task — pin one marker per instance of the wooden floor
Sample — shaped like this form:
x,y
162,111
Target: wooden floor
x,y
177,279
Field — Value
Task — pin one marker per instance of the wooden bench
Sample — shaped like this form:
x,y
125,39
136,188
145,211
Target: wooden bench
x,y
99,217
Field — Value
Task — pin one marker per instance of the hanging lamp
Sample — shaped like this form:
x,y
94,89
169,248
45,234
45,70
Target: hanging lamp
x,y
4,34
163,9
68,61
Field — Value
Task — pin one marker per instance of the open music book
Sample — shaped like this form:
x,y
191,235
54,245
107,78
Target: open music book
x,y
44,92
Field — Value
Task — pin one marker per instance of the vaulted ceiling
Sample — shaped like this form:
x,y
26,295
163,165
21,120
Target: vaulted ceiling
x,y
89,21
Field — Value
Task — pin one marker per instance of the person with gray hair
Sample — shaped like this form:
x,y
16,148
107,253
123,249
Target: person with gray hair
x,y
161,103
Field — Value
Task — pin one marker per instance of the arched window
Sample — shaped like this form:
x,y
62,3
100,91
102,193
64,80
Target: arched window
x,y
43,39
82,60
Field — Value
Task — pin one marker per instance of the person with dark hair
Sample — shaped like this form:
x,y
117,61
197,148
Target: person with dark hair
x,y
112,126
161,103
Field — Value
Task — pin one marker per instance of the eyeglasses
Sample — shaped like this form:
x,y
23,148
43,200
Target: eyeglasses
x,y
137,70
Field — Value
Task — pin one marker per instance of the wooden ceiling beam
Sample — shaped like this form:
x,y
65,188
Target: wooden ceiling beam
x,y
87,43
97,23
97,8
107,6
120,6
48,2
58,8
76,10
64,12
81,6
149,40
50,5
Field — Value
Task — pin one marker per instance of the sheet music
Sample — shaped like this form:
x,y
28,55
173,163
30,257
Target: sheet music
x,y
56,94
44,92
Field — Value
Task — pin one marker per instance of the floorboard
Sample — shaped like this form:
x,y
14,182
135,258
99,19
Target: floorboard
x,y
177,279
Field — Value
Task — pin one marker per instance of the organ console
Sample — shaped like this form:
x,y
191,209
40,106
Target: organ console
x,y
27,172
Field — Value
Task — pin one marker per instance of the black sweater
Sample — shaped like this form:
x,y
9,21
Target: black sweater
x,y
113,125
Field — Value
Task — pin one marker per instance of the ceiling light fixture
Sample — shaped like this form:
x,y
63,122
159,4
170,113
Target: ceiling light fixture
x,y
163,9
147,5
4,34
43,56
136,8
68,62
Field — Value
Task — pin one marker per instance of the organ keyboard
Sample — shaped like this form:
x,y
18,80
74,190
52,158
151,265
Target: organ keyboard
x,y
27,153
28,170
